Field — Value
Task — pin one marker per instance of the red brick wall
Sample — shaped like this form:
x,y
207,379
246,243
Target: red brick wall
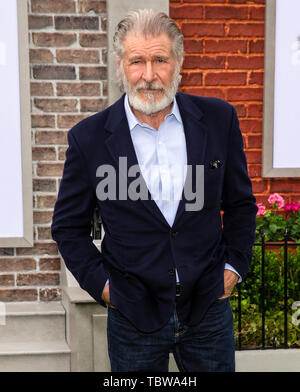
x,y
224,57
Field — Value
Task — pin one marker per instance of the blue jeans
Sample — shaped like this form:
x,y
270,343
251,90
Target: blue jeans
x,y
206,347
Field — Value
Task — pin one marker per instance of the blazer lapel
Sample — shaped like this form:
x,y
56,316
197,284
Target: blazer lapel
x,y
120,144
196,138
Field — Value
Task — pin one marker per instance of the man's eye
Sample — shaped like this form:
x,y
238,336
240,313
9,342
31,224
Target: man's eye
x,y
160,60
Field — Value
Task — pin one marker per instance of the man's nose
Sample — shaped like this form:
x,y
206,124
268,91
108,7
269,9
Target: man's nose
x,y
149,73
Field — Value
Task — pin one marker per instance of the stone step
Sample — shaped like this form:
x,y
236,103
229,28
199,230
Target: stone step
x,y
50,356
33,322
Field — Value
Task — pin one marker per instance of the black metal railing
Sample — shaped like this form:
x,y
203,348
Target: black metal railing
x,y
285,245
96,225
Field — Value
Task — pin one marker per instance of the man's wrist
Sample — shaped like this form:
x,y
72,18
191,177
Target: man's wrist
x,y
230,268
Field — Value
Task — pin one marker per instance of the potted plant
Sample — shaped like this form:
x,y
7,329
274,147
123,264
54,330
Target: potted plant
x,y
279,218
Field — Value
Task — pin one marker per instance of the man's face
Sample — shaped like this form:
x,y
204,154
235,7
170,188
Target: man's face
x,y
149,72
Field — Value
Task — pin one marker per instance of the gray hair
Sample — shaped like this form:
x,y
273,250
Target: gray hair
x,y
150,23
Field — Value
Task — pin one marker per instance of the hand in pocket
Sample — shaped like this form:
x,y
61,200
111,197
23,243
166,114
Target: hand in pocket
x,y
230,280
106,297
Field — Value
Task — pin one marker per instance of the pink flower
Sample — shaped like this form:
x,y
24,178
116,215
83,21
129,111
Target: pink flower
x,y
261,209
288,207
293,206
276,198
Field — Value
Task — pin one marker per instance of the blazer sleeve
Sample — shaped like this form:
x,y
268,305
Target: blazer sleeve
x,y
71,224
238,204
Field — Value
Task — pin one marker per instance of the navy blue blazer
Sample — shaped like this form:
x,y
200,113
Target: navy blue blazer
x,y
140,250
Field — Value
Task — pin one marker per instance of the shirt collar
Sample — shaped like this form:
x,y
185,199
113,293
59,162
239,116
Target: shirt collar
x,y
133,121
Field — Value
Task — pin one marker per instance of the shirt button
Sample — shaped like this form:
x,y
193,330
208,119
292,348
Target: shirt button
x,y
160,142
171,271
174,233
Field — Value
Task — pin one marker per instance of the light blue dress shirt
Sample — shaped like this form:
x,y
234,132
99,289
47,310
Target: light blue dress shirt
x,y
162,158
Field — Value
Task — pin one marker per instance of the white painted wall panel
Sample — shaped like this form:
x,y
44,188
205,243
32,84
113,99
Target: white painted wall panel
x,y
287,85
11,199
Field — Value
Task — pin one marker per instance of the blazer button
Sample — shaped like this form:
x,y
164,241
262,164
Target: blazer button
x,y
171,271
174,233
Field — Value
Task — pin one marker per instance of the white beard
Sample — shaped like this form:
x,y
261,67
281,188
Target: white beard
x,y
152,104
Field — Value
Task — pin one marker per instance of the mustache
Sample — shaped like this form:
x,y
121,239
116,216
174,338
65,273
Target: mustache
x,y
149,86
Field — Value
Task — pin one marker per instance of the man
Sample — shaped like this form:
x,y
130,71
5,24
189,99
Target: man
x,y
166,267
